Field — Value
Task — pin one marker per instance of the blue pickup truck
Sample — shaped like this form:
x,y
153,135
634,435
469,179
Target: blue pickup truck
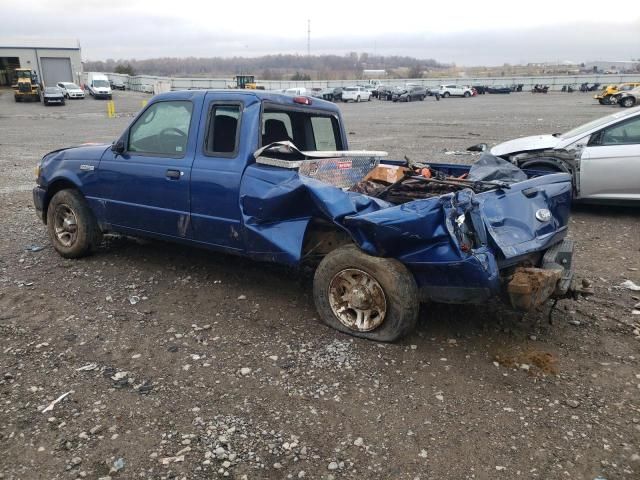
x,y
270,177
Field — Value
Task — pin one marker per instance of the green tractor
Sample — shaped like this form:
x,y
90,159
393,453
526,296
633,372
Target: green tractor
x,y
26,86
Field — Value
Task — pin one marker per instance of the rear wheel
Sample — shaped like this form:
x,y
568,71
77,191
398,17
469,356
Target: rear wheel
x,y
358,99
72,227
421,98
365,296
627,102
601,101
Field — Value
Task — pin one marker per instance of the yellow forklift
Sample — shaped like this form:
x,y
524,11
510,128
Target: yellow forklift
x,y
26,86
247,82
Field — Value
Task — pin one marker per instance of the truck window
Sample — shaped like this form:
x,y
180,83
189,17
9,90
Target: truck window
x,y
309,131
323,133
163,129
222,133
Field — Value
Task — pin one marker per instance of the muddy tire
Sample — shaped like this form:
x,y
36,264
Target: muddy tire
x,y
365,296
72,227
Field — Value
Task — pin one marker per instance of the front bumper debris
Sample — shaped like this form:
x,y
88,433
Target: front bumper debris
x,y
39,194
529,288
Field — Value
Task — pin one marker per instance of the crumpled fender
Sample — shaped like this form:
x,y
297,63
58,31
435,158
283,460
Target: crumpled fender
x,y
277,206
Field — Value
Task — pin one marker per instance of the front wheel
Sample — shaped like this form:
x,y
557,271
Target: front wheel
x,y
73,229
358,99
467,94
446,94
370,297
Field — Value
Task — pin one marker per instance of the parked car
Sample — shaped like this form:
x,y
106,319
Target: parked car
x,y
71,90
355,94
332,94
628,98
372,89
452,90
387,92
498,89
184,171
602,156
52,96
409,94
117,84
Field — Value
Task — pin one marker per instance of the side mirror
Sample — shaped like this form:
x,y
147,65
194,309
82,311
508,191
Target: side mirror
x,y
118,147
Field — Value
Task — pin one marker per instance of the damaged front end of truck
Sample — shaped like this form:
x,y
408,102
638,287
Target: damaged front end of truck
x,y
467,234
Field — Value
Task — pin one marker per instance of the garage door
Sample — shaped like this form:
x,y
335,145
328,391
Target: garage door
x,y
55,70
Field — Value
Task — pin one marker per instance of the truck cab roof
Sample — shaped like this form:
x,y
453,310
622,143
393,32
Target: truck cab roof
x,y
261,95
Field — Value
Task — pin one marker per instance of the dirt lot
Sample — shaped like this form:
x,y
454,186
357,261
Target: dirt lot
x,y
190,365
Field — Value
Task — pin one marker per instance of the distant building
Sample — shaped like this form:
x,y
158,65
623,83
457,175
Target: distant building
x,y
54,60
612,66
374,73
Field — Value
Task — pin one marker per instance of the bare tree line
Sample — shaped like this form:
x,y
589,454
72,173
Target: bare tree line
x,y
271,67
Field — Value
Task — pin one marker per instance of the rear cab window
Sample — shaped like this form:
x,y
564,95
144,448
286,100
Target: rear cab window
x,y
223,128
308,130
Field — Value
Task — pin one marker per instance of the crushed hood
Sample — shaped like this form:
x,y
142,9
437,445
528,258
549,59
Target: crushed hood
x,y
525,144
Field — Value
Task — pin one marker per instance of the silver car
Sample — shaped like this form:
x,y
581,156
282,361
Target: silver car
x,y
603,156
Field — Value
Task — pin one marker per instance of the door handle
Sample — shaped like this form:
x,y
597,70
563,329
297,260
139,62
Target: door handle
x,y
174,174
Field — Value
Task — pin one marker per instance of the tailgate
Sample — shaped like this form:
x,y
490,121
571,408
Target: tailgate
x,y
530,216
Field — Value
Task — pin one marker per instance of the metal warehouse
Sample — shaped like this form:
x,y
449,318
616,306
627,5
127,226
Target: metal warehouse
x,y
54,60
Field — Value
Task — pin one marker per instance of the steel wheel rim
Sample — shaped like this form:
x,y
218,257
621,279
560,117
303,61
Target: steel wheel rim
x,y
65,224
357,300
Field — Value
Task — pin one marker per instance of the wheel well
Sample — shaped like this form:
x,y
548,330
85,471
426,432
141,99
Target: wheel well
x,y
54,188
547,163
320,238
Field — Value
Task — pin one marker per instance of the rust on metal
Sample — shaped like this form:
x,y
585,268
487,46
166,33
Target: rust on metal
x,y
531,287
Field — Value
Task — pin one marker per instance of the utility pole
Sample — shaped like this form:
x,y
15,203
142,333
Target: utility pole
x,y
308,37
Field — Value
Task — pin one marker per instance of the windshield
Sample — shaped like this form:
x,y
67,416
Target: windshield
x,y
596,123
71,86
100,83
350,89
52,90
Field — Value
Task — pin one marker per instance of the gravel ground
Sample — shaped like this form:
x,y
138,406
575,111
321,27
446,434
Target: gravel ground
x,y
180,363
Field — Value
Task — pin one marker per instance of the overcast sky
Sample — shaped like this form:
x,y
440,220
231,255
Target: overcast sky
x,y
465,32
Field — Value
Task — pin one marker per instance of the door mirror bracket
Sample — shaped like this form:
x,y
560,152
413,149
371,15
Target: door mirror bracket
x,y
117,147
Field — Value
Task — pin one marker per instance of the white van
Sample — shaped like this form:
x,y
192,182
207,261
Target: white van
x,y
98,85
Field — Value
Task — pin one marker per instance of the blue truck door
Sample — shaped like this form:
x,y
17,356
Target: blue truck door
x,y
146,188
228,138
